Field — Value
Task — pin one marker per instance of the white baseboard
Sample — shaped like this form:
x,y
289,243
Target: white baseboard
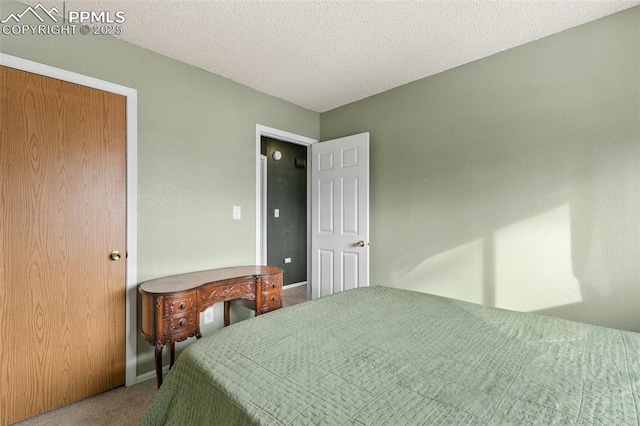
x,y
294,285
150,375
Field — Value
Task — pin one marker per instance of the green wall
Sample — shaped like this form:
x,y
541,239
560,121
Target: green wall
x,y
196,150
514,180
511,181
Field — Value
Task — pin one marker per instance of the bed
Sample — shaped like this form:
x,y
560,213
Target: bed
x,y
385,356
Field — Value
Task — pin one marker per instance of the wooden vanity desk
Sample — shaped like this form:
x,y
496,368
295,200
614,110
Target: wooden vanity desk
x,y
171,305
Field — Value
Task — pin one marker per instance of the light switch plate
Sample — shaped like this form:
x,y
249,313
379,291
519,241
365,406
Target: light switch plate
x,y
276,212
237,212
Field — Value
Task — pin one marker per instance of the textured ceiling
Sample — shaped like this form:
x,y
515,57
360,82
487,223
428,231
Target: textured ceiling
x,y
324,54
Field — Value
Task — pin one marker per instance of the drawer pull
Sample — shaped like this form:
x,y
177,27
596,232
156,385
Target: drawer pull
x,y
273,298
182,306
181,322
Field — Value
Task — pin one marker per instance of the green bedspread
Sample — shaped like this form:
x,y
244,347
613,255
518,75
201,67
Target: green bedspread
x,y
383,356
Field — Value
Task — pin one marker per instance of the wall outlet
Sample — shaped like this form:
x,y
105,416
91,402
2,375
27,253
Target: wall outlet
x,y
287,260
208,315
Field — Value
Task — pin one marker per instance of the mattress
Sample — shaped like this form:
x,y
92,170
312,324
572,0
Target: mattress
x,y
385,356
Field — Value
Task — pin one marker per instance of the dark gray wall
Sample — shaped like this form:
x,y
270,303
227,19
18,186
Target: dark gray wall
x,y
287,192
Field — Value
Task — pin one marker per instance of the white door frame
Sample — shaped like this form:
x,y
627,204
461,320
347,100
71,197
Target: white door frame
x,y
131,326
260,203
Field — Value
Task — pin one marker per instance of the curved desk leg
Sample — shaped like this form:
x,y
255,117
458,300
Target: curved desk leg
x,y
159,363
172,359
172,354
227,313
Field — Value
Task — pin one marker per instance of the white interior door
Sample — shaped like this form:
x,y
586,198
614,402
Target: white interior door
x,y
340,215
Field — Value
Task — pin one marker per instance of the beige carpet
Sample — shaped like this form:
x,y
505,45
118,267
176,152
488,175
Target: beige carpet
x,y
294,295
123,406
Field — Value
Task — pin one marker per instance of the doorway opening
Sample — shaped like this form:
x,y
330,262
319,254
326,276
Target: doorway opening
x,y
286,208
283,221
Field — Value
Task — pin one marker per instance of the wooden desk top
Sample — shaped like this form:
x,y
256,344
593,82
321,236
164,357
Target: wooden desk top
x,y
185,282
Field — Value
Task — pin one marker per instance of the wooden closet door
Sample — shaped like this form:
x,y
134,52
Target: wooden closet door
x,y
62,211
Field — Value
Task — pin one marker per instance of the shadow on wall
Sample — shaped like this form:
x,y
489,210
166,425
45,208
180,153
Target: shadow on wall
x,y
575,254
513,180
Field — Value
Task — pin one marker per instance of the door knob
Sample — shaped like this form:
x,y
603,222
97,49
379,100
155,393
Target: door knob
x,y
114,255
360,243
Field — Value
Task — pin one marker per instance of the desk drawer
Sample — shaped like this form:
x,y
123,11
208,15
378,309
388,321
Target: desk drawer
x,y
271,294
272,284
178,325
228,290
179,304
271,302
